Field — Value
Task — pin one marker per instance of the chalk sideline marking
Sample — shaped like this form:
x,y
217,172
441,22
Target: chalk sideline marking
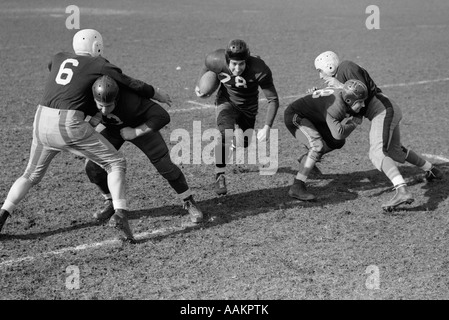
x,y
200,106
111,242
432,156
139,236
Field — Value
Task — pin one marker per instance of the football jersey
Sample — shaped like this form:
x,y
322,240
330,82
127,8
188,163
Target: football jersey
x,y
243,90
325,108
131,110
349,70
69,84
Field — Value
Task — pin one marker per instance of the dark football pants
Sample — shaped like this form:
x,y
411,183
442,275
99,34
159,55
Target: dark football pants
x,y
154,147
315,139
227,118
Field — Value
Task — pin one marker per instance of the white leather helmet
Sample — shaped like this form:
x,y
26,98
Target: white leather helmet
x,y
88,41
327,62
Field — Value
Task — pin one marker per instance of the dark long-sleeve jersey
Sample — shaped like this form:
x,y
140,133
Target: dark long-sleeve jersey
x,y
131,110
243,91
350,70
325,108
69,84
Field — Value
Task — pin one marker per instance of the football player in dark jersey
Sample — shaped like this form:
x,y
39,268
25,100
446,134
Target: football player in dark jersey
x,y
385,141
320,122
128,117
60,125
237,100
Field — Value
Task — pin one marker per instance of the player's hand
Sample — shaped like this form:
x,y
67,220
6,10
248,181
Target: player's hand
x,y
128,133
357,119
162,96
332,82
198,93
263,133
311,90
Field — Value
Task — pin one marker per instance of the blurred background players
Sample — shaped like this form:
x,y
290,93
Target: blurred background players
x,y
128,117
237,101
319,122
385,141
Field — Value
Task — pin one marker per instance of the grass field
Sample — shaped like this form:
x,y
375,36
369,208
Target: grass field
x,y
257,242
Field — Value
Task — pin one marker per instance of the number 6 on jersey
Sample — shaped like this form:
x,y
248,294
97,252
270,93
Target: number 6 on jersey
x,y
68,72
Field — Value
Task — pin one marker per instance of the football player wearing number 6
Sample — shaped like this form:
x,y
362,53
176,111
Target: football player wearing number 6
x,y
237,101
59,123
385,142
320,123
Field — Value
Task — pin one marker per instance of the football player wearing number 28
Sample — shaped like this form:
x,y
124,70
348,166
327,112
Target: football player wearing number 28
x,y
320,122
385,115
237,101
59,123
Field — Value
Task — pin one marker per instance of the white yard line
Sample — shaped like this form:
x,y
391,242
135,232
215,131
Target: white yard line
x,y
111,242
432,156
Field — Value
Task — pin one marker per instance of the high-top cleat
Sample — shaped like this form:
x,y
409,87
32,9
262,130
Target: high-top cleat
x,y
105,213
196,216
298,190
3,216
119,221
434,174
220,185
402,196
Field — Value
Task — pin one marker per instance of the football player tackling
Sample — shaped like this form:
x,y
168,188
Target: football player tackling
x,y
319,122
128,117
385,141
60,125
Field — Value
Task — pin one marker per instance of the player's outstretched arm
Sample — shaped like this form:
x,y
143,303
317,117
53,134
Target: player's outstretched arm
x,y
273,106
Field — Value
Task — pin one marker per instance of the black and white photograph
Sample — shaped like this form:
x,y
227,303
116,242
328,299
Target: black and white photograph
x,y
228,156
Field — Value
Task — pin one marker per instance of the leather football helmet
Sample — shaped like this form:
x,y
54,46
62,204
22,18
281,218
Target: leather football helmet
x,y
105,89
327,62
353,91
237,50
88,41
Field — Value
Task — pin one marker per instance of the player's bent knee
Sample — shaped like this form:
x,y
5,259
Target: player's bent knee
x,y
317,150
34,179
119,164
226,138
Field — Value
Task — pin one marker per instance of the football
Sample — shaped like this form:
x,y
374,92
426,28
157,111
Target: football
x,y
208,83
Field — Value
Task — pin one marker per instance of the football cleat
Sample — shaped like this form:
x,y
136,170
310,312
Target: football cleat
x,y
220,185
196,216
402,196
119,221
3,216
298,190
434,174
106,212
